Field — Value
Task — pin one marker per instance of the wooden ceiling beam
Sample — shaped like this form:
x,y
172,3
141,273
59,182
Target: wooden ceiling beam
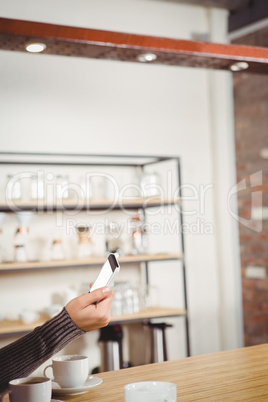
x,y
99,44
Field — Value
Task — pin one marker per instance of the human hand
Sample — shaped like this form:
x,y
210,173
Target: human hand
x,y
87,315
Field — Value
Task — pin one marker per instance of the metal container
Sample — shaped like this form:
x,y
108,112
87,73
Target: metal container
x,y
110,343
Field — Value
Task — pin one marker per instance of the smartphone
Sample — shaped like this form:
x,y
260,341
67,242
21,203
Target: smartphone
x,y
108,273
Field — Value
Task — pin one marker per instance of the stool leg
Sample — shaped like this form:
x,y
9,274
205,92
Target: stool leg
x,y
164,345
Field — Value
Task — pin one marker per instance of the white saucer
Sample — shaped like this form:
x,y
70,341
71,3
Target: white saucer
x,y
91,382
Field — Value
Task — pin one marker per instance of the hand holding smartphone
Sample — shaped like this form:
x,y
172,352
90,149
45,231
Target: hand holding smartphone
x,y
108,273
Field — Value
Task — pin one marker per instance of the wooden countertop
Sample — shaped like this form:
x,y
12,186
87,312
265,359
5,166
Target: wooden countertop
x,y
237,375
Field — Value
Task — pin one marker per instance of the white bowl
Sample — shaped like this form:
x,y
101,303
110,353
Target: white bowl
x,y
150,391
53,310
29,316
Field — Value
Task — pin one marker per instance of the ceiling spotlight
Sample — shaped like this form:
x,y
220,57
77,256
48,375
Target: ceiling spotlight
x,y
35,47
239,66
146,57
264,153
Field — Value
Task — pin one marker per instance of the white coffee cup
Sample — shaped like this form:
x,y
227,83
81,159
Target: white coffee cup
x,y
29,389
150,391
70,371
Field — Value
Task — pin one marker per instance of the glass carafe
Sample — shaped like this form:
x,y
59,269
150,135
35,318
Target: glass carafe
x,y
112,241
138,235
20,254
84,250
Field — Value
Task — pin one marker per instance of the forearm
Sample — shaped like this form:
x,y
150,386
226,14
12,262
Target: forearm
x,y
22,357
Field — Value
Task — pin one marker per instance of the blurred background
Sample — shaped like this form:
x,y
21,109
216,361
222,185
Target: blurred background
x,y
214,121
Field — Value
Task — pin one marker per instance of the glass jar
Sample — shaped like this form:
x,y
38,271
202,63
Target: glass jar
x,y
150,184
2,217
138,236
84,242
135,299
85,187
112,241
20,253
37,186
57,252
99,186
62,188
117,303
84,249
150,296
13,187
1,246
131,303
20,240
127,298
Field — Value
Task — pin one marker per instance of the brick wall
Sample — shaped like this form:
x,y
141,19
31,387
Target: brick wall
x,y
251,136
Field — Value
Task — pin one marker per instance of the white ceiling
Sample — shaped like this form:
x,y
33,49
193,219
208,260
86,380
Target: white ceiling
x,y
227,4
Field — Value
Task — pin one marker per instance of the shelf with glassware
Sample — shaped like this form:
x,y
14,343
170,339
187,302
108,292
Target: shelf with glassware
x,y
24,213
75,263
17,327
151,196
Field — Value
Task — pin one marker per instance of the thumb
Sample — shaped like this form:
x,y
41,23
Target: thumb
x,y
97,295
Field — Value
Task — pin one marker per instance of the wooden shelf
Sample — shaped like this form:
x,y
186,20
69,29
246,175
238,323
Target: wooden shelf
x,y
99,44
88,205
16,327
154,312
13,327
95,261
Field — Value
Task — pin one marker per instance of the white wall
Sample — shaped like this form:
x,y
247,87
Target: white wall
x,y
60,104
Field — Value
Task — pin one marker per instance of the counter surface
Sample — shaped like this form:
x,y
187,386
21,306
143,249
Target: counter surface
x,y
237,375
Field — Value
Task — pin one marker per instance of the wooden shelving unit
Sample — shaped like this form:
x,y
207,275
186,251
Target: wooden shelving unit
x,y
8,328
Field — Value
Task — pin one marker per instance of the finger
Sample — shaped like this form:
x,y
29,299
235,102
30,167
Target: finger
x,y
96,296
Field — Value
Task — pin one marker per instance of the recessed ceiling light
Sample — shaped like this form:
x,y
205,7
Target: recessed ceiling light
x,y
264,153
239,66
35,47
146,57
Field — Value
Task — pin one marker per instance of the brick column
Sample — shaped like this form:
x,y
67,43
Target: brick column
x,y
251,136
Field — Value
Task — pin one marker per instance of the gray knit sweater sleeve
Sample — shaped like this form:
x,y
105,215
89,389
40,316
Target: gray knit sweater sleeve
x,y
22,357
